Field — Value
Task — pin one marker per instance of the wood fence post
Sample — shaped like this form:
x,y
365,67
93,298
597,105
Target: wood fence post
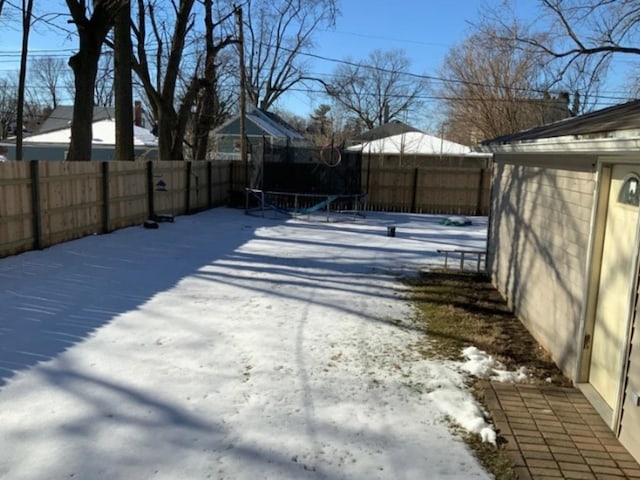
x,y
35,204
480,189
150,204
106,199
209,185
230,190
187,189
415,190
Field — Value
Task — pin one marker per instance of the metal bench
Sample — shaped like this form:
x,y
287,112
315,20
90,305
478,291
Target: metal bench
x,y
478,254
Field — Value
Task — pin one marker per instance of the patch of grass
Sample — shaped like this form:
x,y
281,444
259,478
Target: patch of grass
x,y
494,459
457,310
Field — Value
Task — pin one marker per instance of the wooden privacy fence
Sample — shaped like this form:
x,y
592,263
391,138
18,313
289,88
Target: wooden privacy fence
x,y
44,203
435,190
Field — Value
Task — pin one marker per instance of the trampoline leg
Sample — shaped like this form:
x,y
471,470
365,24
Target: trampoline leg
x,y
328,209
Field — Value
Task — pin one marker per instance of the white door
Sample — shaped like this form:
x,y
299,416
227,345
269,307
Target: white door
x,y
612,308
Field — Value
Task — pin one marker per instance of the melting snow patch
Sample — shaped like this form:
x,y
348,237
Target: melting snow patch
x,y
482,365
449,393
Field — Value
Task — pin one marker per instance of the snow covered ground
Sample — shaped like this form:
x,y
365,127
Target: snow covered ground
x,y
227,346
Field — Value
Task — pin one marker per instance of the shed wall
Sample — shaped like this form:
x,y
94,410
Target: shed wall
x,y
538,246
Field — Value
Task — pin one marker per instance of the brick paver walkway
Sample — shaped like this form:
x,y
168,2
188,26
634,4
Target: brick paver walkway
x,y
553,432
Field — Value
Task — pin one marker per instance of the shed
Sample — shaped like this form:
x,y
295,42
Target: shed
x,y
564,250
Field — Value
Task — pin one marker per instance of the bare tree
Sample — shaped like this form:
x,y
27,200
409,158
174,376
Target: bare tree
x,y
494,87
211,109
160,76
276,33
104,91
580,36
2,2
47,75
8,105
377,89
93,23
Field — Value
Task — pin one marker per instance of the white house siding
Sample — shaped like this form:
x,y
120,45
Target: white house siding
x,y
538,248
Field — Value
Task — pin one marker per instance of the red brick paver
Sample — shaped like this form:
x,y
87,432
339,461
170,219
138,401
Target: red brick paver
x,y
553,432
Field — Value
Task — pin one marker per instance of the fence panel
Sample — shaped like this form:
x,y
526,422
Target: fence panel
x,y
16,213
220,182
390,189
453,191
127,193
463,191
71,200
169,180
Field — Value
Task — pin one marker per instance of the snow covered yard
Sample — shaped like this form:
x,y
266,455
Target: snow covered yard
x,y
226,346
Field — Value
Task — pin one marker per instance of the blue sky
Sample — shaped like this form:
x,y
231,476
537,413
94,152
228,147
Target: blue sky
x,y
424,29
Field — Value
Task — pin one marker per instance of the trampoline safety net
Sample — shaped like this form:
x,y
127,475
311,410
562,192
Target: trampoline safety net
x,y
319,181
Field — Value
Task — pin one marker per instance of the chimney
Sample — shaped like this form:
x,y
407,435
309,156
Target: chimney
x,y
137,113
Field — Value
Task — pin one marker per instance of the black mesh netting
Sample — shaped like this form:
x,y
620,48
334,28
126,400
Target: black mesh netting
x,y
332,171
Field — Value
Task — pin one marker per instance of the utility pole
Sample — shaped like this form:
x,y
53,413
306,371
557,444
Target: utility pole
x,y
26,28
243,100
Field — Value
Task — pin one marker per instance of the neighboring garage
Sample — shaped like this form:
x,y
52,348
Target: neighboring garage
x,y
563,250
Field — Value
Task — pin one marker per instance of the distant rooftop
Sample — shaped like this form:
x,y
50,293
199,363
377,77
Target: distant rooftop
x,y
394,127
412,143
61,117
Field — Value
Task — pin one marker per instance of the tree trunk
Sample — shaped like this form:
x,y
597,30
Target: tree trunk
x,y
123,93
167,149
207,106
82,123
85,68
91,34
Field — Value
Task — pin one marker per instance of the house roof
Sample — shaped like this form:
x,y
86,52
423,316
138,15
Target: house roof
x,y
104,133
617,122
412,143
61,117
389,129
260,123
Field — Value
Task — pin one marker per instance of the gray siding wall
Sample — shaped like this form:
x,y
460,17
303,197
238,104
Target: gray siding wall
x,y
538,242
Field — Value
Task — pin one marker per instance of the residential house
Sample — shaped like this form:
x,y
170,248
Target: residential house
x,y
54,145
262,128
564,249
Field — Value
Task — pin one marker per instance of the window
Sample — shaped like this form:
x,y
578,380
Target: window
x,y
630,191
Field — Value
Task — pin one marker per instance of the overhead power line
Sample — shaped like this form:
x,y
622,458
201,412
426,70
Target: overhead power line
x,y
611,96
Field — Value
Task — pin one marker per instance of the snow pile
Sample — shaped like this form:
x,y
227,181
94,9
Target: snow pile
x,y
449,393
448,389
482,365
